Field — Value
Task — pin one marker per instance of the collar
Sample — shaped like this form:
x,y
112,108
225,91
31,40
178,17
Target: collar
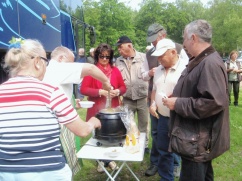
x,y
194,61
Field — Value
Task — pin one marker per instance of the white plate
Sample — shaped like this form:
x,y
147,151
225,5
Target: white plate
x,y
113,151
86,104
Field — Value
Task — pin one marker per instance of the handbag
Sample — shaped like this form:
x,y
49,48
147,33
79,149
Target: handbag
x,y
239,77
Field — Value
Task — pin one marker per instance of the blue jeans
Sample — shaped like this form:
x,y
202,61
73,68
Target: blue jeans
x,y
166,159
197,171
154,154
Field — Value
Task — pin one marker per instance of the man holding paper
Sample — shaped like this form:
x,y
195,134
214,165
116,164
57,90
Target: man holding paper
x,y
165,78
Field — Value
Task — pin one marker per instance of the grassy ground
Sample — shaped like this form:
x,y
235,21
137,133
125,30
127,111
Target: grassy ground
x,y
227,167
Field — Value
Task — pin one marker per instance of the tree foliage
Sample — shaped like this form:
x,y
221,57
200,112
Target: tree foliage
x,y
112,19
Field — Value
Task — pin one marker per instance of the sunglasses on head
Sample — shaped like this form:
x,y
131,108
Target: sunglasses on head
x,y
102,57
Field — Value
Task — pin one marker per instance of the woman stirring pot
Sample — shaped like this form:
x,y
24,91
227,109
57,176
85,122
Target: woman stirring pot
x,y
103,59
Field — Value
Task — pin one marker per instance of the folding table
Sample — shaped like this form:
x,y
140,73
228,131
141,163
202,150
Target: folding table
x,y
91,151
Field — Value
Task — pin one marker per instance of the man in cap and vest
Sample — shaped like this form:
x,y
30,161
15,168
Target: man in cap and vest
x,y
129,64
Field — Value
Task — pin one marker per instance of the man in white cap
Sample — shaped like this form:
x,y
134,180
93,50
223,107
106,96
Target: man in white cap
x,y
165,78
155,33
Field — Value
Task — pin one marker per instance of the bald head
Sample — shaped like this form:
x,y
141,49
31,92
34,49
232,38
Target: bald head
x,y
62,54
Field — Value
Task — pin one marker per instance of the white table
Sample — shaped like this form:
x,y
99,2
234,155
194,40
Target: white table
x,y
91,151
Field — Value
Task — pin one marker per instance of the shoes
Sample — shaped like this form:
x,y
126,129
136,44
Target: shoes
x,y
151,170
147,150
99,168
177,171
113,165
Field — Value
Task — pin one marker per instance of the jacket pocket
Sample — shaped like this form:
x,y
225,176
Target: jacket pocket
x,y
184,142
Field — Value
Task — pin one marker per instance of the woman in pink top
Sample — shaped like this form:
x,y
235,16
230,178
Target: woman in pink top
x,y
103,56
92,88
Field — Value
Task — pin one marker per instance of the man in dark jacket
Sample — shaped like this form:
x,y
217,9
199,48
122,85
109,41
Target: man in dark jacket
x,y
199,119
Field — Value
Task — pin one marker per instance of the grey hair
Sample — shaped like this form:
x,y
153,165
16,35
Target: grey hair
x,y
17,59
61,50
201,28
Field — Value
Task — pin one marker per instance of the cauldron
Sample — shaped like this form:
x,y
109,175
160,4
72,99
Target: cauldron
x,y
113,131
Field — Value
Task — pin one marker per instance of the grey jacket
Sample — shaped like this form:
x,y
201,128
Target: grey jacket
x,y
136,87
199,125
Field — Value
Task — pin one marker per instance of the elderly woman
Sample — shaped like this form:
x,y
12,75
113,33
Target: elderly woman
x,y
30,116
92,88
233,69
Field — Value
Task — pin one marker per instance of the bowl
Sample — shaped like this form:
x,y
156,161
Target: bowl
x,y
86,104
113,151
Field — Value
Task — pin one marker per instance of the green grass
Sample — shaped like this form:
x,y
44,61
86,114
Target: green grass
x,y
227,167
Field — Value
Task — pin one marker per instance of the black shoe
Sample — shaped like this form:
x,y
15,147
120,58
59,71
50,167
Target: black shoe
x,y
147,150
151,170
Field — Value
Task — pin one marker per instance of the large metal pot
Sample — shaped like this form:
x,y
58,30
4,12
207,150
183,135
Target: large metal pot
x,y
113,131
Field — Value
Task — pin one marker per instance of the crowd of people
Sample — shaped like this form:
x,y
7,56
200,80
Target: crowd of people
x,y
181,91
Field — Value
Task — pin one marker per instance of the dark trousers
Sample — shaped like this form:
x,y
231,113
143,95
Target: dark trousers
x,y
166,159
196,171
235,86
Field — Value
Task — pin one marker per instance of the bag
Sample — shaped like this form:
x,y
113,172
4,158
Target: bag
x,y
184,142
239,77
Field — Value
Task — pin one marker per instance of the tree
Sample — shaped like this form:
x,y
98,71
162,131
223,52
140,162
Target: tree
x,y
111,19
226,19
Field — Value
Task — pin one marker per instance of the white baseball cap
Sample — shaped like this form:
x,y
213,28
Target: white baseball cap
x,y
162,46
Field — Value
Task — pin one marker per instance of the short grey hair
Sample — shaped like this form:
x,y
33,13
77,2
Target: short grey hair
x,y
201,28
61,50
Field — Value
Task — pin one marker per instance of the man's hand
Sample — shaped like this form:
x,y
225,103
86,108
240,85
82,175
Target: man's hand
x,y
152,72
77,103
153,111
169,102
107,85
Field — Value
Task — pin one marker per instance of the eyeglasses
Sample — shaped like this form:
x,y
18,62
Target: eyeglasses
x,y
102,57
46,60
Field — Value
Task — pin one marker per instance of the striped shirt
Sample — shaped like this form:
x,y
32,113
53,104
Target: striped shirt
x,y
30,114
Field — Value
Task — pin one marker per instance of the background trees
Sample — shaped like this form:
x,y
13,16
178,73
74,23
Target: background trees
x,y
112,19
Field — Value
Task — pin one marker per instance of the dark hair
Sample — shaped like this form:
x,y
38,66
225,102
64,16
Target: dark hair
x,y
101,48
